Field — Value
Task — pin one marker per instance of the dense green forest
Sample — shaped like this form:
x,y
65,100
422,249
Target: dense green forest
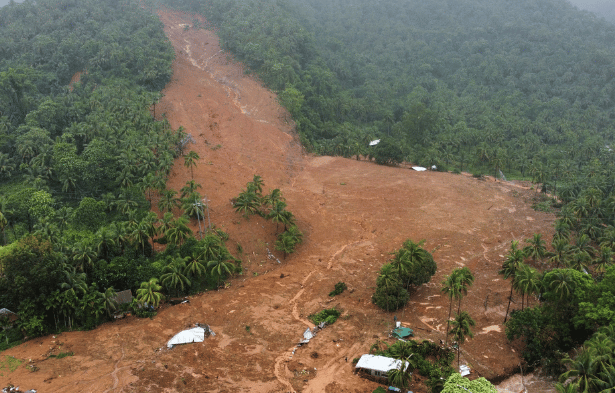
x,y
81,163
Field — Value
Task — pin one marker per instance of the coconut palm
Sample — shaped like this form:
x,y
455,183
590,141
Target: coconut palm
x,y
195,266
536,248
466,279
83,255
451,287
110,301
168,201
605,259
562,284
461,327
583,370
561,252
149,292
511,265
527,282
219,268
190,161
179,231
173,276
278,214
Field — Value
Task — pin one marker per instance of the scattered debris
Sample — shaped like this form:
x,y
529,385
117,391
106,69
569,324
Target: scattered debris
x,y
464,370
419,168
194,335
271,256
179,301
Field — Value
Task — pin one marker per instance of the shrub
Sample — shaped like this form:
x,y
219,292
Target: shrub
x,y
328,315
339,288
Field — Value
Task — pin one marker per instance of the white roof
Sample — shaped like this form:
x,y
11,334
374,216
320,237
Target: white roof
x,y
419,168
194,335
379,363
374,142
464,370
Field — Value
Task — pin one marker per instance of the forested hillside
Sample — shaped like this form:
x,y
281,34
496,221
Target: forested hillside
x,y
524,87
80,158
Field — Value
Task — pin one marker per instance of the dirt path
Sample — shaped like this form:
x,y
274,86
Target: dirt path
x,y
353,215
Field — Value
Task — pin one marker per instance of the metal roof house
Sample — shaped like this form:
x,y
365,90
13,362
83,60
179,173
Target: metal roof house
x,y
377,367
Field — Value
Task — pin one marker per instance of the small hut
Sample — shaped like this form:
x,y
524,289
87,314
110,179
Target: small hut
x,y
376,367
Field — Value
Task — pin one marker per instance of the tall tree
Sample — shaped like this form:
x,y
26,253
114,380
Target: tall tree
x,y
511,265
190,161
461,327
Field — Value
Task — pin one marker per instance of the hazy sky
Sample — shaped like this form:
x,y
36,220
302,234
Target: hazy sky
x,y
604,8
5,2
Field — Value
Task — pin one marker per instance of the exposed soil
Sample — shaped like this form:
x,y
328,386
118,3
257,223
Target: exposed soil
x,y
353,215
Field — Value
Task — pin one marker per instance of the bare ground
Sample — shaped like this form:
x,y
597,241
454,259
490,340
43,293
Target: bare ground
x,y
353,215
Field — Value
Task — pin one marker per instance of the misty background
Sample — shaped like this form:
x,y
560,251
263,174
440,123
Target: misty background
x,y
602,8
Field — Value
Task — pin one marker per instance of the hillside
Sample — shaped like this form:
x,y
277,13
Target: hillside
x,y
353,214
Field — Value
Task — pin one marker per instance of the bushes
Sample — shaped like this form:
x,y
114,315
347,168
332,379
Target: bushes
x,y
339,288
411,266
329,316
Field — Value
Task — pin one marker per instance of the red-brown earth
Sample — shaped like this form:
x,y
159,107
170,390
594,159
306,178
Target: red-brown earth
x,y
353,215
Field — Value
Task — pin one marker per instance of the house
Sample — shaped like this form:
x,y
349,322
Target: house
x,y
376,367
8,314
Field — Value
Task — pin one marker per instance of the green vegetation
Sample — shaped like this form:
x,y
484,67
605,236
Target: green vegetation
x,y
455,383
62,355
272,206
339,288
9,364
411,266
424,358
328,315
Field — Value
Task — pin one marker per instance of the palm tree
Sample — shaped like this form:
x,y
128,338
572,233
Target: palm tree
x,y
511,265
104,241
195,266
562,283
149,293
460,329
84,255
466,279
526,282
3,224
451,288
277,213
536,249
190,187
168,201
173,275
257,184
561,252
605,259
273,197
247,203
190,161
219,267
110,301
179,232
583,370
455,287
580,261
400,377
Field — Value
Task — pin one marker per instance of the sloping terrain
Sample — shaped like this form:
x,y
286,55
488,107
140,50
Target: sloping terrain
x,y
353,215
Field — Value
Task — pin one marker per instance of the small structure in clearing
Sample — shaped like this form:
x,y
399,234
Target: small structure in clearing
x,y
376,367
